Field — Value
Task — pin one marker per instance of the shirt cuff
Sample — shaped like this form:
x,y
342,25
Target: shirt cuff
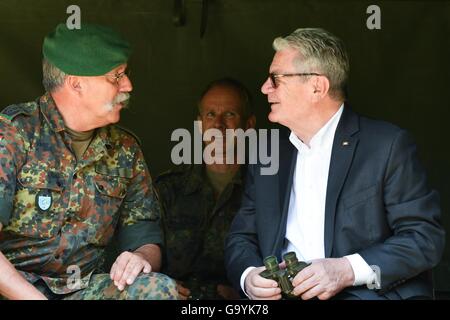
x,y
244,275
362,271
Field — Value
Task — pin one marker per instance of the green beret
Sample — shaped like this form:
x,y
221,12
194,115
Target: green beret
x,y
92,50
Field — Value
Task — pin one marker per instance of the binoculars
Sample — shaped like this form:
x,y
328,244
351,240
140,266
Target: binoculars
x,y
283,277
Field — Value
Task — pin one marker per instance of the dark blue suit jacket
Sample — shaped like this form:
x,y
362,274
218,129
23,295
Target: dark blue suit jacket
x,y
377,204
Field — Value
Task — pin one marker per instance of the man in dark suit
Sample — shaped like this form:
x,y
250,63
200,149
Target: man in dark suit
x,y
350,195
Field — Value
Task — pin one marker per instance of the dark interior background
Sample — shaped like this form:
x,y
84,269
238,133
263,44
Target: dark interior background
x,y
400,73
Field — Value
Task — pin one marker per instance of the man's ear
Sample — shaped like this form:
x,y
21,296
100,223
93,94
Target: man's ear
x,y
251,122
74,83
320,86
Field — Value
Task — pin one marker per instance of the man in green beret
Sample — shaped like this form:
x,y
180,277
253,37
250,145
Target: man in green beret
x,y
70,181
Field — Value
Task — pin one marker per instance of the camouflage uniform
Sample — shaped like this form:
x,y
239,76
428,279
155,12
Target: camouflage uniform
x,y
58,212
195,226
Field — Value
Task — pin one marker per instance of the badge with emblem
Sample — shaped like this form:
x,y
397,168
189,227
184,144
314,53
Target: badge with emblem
x,y
44,200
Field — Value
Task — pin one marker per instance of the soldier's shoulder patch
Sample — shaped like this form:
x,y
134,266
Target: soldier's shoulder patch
x,y
12,111
131,133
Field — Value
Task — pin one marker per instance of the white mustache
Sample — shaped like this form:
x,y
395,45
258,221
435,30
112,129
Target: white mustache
x,y
121,97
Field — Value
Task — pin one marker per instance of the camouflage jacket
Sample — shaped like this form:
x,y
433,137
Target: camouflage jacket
x,y
195,224
59,213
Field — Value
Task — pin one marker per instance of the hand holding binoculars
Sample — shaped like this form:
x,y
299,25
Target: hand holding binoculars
x,y
283,277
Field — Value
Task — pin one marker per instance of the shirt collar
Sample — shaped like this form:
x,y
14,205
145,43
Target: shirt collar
x,y
56,121
323,137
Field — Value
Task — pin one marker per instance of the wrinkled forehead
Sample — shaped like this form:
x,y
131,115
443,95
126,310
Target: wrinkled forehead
x,y
222,98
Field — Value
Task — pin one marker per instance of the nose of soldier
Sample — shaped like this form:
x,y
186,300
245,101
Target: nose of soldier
x,y
125,84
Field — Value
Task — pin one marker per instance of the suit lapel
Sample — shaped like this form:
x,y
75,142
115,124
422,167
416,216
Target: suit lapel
x,y
344,146
288,157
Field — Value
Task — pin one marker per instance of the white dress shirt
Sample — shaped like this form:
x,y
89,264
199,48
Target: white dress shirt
x,y
306,213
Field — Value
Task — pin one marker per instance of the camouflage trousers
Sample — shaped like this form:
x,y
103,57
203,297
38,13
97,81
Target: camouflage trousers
x,y
152,286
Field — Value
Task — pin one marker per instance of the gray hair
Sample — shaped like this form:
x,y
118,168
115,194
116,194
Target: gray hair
x,y
321,52
52,77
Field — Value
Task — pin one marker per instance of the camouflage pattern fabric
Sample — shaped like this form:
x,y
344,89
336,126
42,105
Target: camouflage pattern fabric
x,y
152,286
195,226
58,212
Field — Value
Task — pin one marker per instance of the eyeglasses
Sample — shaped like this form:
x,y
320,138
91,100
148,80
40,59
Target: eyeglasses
x,y
118,76
274,77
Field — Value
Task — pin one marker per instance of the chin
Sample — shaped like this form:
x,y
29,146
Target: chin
x,y
114,118
272,117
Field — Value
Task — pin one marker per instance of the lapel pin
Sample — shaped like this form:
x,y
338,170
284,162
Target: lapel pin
x,y
345,143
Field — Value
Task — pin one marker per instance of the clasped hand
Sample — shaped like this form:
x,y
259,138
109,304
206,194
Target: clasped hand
x,y
323,279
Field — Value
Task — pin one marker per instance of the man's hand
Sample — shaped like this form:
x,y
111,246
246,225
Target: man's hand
x,y
183,292
323,279
259,288
127,267
227,292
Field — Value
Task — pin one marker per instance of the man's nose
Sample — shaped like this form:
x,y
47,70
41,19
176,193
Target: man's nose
x,y
125,84
219,122
267,86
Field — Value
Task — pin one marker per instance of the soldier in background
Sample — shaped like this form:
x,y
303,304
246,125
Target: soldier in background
x,y
200,201
69,180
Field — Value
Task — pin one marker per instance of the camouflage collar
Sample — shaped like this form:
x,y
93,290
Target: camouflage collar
x,y
194,179
104,133
56,122
197,178
100,145
51,113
